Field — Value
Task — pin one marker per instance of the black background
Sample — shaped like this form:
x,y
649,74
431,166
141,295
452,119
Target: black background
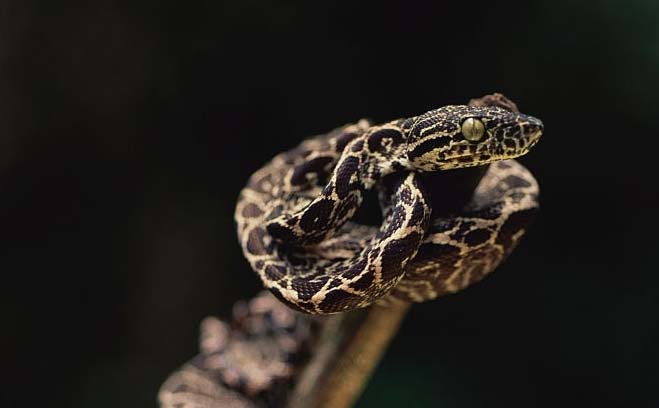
x,y
128,128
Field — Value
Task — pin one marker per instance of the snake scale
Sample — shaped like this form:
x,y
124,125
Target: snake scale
x,y
297,229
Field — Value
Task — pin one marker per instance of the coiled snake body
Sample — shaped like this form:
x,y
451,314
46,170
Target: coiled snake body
x,y
295,227
294,216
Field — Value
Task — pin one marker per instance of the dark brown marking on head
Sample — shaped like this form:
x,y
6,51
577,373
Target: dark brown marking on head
x,y
427,145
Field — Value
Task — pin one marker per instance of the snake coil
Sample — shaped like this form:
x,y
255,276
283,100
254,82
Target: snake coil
x,y
294,216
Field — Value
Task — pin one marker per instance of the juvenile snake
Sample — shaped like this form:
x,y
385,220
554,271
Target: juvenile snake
x,y
294,216
295,228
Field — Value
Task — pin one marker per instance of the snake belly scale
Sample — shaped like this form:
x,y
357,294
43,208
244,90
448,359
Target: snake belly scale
x,y
294,216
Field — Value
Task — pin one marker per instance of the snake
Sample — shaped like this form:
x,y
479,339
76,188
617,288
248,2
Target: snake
x,y
295,221
441,231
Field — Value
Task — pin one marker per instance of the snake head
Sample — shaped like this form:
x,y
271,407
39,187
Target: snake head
x,y
459,136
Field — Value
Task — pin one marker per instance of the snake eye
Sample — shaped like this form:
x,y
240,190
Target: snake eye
x,y
473,129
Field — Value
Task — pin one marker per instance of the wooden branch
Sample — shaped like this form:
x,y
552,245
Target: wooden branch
x,y
350,347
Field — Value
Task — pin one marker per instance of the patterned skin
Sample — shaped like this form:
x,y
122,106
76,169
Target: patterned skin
x,y
293,216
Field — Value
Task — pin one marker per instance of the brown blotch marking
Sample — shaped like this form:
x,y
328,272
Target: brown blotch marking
x,y
427,146
395,252
509,143
343,175
376,138
464,227
280,233
517,196
315,165
354,270
434,251
334,283
255,243
374,253
513,224
476,237
275,273
364,282
346,206
490,213
357,146
516,182
251,210
258,185
343,140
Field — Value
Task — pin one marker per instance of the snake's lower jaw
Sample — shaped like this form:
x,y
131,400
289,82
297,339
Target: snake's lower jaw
x,y
535,137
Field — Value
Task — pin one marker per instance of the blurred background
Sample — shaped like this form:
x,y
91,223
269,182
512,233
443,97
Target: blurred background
x,y
127,130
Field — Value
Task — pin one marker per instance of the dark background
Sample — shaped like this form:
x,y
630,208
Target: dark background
x,y
128,128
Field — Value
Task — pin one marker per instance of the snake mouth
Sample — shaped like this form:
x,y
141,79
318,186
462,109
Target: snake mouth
x,y
534,137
